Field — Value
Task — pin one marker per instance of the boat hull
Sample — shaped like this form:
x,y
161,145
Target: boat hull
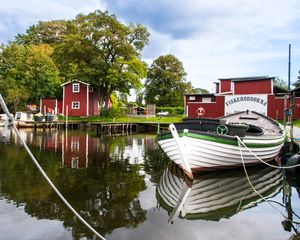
x,y
208,153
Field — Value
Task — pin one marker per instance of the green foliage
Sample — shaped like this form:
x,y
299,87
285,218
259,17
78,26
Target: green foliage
x,y
281,83
171,110
27,73
165,84
95,48
297,83
103,52
199,90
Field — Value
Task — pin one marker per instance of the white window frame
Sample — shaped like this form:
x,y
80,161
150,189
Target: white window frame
x,y
74,86
74,103
192,98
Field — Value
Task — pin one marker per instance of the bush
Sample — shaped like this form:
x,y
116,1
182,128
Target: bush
x,y
171,110
113,112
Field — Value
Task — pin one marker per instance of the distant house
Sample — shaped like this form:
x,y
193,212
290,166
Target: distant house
x,y
239,94
79,99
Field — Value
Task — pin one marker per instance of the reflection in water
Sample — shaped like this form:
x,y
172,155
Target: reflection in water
x,y
215,195
96,175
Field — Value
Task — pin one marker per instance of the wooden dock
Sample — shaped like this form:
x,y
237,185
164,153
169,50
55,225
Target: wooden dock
x,y
102,128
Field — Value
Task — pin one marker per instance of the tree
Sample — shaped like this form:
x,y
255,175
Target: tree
x,y
27,72
297,83
165,84
199,90
95,48
281,83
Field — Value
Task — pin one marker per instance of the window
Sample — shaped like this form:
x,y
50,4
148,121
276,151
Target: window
x,y
192,98
75,87
75,105
91,89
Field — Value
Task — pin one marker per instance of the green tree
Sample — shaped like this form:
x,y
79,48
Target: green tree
x,y
165,84
297,83
199,90
281,83
51,33
27,72
95,48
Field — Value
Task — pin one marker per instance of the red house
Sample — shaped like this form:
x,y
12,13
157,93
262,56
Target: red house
x,y
79,99
259,94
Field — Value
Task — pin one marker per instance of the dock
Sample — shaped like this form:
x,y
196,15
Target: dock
x,y
101,128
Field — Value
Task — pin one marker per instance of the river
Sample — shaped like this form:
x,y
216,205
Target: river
x,y
125,187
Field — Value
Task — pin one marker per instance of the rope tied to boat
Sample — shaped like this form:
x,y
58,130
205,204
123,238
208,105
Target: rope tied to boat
x,y
264,162
240,142
11,120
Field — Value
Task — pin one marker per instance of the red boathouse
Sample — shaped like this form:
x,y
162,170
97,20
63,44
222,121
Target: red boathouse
x,y
79,99
232,95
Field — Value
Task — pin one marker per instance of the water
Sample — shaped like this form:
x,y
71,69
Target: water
x,y
125,188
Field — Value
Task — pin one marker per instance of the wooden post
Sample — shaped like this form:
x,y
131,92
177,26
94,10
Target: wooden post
x,y
67,116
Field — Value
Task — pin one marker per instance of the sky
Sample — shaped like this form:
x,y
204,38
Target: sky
x,y
212,38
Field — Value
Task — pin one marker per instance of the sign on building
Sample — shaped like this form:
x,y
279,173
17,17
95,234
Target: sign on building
x,y
238,103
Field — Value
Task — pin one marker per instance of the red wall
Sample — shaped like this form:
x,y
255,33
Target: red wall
x,y
225,86
212,110
48,105
71,96
276,107
75,147
253,87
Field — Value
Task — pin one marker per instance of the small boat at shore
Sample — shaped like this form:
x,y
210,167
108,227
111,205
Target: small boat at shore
x,y
243,138
24,119
215,195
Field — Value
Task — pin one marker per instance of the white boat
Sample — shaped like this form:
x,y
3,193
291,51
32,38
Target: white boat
x,y
215,195
24,119
3,119
231,141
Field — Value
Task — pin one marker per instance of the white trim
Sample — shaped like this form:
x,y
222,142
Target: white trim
x,y
200,102
56,107
272,86
41,103
63,106
73,102
187,111
223,93
73,87
75,81
87,100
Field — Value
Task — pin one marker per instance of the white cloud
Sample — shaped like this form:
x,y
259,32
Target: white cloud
x,y
213,39
234,38
16,16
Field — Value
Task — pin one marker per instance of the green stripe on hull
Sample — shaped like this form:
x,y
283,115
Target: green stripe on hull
x,y
217,139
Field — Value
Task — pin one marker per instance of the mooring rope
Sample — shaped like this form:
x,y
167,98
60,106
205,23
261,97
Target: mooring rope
x,y
251,185
11,120
270,165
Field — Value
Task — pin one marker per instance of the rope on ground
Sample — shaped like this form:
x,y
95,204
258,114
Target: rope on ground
x,y
4,107
270,165
250,183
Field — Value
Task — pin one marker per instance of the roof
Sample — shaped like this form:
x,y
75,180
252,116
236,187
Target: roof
x,y
245,79
76,81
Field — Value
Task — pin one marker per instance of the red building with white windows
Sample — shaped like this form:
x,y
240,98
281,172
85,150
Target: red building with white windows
x,y
259,94
79,99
